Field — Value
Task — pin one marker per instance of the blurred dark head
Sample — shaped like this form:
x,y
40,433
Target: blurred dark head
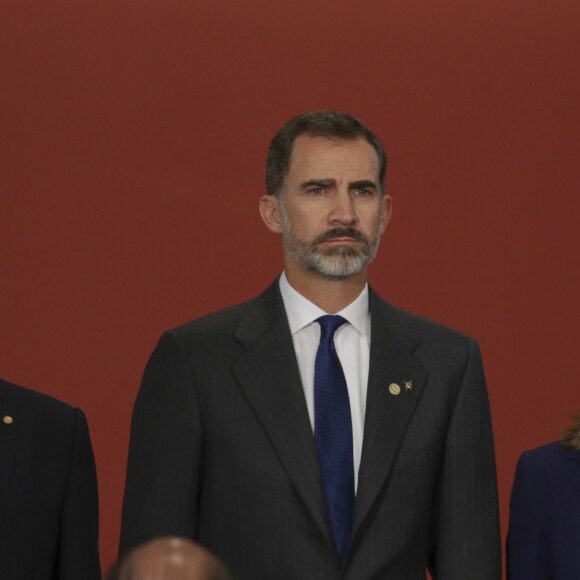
x,y
169,558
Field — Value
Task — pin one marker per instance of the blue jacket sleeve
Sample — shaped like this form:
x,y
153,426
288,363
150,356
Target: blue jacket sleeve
x,y
524,549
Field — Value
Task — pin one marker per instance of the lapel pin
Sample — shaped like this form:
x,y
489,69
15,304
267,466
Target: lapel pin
x,y
7,419
394,389
408,385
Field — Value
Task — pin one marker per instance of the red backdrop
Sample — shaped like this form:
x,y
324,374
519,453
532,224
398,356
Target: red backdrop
x,y
133,136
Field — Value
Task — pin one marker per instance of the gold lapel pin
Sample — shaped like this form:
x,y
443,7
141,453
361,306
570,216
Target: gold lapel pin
x,y
408,385
7,419
394,389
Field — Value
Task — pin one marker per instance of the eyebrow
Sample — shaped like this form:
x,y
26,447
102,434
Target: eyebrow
x,y
362,184
318,183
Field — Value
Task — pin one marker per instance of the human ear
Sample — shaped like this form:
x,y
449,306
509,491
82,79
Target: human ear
x,y
270,213
386,211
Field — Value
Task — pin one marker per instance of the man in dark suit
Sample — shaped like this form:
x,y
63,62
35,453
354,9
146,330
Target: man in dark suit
x,y
544,531
48,490
317,432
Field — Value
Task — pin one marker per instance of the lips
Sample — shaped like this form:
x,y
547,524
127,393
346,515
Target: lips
x,y
340,240
341,235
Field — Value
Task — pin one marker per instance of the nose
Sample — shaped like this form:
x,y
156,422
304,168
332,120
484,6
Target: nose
x,y
343,210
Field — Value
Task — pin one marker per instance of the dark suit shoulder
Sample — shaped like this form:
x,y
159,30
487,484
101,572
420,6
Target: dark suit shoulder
x,y
223,320
246,321
36,404
415,328
204,340
547,457
433,328
47,427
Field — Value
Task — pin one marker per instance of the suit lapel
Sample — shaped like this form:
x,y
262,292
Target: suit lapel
x,y
8,433
270,379
393,340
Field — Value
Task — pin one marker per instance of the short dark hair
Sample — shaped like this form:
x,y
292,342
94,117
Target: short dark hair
x,y
329,124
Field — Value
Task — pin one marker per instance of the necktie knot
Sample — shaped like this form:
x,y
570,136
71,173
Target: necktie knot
x,y
329,324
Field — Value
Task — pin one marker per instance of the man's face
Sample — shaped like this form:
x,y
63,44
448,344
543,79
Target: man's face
x,y
332,211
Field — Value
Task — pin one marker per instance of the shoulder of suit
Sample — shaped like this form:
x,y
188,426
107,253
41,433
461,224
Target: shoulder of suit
x,y
223,322
220,321
35,403
428,329
545,454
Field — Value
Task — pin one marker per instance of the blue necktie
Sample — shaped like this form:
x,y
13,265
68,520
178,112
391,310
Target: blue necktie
x,y
333,434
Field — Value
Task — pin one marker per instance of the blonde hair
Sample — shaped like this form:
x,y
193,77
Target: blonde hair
x,y
571,436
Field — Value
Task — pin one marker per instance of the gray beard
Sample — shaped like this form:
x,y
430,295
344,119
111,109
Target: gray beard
x,y
332,263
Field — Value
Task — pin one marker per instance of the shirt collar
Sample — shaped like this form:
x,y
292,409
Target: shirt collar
x,y
301,312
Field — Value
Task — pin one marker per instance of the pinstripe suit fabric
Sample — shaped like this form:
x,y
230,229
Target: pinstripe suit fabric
x,y
222,451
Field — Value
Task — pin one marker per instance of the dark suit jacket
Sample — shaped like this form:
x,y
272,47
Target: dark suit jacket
x,y
48,490
222,450
544,532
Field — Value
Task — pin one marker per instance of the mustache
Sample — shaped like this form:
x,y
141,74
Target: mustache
x,y
341,233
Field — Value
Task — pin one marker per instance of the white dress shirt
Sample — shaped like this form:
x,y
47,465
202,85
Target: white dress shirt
x,y
352,343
